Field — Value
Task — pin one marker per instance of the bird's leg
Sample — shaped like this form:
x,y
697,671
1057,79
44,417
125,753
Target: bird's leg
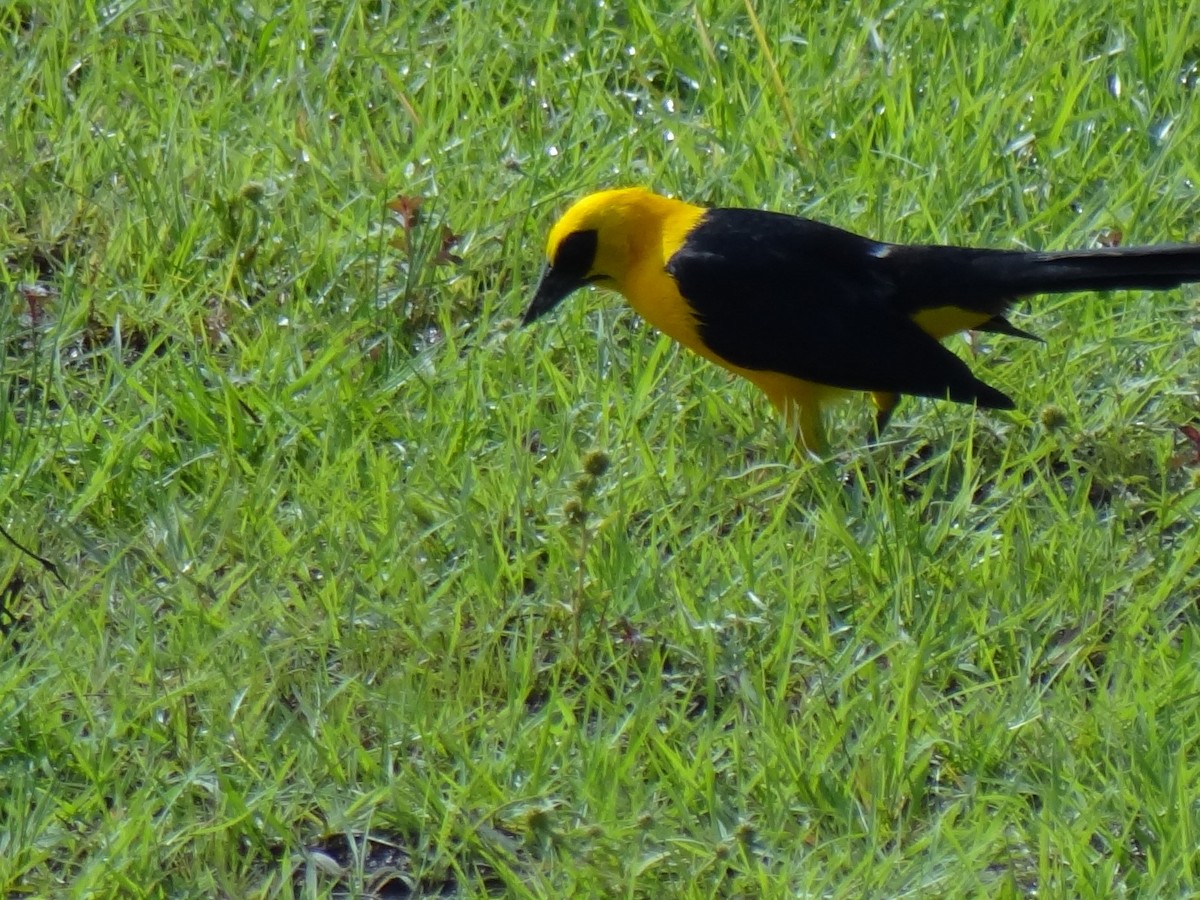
x,y
885,404
810,429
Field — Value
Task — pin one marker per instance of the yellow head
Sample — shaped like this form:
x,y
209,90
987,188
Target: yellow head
x,y
594,242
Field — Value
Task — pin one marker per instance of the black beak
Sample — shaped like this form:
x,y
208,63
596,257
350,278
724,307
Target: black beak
x,y
551,291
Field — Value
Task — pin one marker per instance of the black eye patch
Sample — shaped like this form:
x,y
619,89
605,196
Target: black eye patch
x,y
576,254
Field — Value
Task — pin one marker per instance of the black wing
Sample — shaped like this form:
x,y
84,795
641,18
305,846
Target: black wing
x,y
778,293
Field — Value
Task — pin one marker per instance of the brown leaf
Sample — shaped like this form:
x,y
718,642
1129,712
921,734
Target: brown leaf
x,y
1191,454
407,208
449,241
37,298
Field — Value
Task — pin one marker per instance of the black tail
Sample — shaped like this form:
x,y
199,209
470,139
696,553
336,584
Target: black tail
x,y
988,280
1128,268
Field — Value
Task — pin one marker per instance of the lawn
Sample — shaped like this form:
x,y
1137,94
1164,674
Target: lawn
x,y
335,582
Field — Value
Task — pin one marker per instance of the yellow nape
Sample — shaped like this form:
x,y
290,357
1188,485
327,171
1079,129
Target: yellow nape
x,y
624,219
603,210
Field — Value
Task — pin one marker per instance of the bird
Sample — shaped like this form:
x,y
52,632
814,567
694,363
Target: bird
x,y
809,312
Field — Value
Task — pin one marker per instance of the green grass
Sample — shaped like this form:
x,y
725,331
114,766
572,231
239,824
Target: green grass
x,y
333,567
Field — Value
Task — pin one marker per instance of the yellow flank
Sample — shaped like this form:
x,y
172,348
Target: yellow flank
x,y
943,321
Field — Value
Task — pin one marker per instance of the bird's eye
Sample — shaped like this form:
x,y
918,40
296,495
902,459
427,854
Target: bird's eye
x,y
576,253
